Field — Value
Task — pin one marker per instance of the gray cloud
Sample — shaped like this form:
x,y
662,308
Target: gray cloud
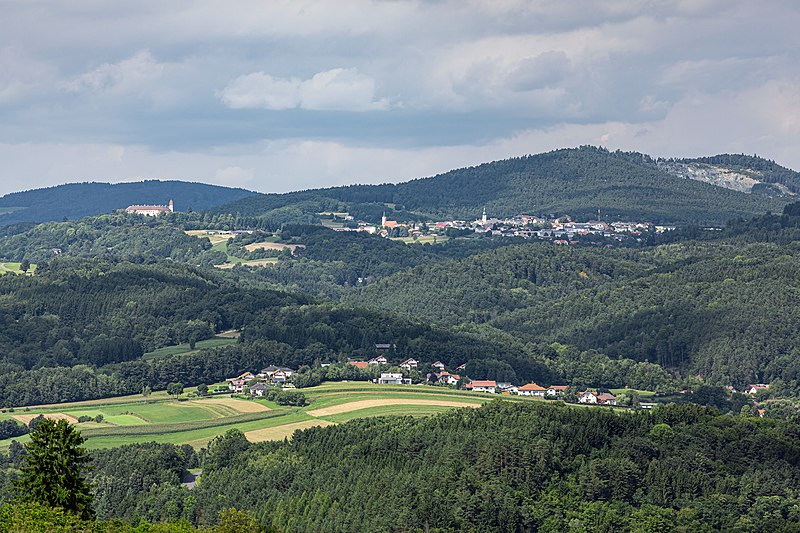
x,y
242,95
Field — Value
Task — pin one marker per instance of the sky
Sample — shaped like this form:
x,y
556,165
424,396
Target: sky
x,y
279,95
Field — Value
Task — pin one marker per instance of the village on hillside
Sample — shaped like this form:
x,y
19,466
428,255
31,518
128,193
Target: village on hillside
x,y
412,371
558,230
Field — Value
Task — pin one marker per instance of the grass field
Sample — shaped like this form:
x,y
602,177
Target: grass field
x,y
430,239
196,421
13,268
182,349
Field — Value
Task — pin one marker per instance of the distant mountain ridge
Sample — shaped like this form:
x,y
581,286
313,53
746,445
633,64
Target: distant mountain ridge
x,y
77,200
575,181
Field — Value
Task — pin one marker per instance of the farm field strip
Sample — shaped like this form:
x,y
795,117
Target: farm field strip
x,y
284,431
365,404
391,410
26,418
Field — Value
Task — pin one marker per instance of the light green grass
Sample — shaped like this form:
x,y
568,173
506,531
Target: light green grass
x,y
430,239
183,349
389,410
641,393
13,268
198,437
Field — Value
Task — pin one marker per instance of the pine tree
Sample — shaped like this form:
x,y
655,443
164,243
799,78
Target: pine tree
x,y
52,472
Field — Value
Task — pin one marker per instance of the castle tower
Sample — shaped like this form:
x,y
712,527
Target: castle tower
x,y
171,207
483,219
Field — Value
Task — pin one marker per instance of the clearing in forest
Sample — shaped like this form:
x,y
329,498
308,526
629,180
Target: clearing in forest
x,y
25,419
271,246
366,404
281,432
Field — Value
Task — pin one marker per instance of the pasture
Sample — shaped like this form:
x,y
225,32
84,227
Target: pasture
x,y
182,349
196,421
13,268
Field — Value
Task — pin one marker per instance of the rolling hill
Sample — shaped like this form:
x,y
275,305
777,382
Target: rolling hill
x,y
77,200
575,181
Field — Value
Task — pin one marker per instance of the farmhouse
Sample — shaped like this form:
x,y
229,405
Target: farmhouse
x,y
409,363
151,210
755,387
393,379
259,389
556,390
483,386
606,398
531,389
588,396
447,378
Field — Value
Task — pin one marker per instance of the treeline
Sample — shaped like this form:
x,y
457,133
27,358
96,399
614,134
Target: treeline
x,y
503,467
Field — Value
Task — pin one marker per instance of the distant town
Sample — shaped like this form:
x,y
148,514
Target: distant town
x,y
558,230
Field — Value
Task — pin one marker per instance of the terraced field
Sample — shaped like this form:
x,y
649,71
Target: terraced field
x,y
196,421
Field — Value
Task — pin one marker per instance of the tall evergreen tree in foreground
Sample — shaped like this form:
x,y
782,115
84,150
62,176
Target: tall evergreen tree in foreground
x,y
52,473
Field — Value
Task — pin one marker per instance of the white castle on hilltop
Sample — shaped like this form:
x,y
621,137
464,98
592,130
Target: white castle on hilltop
x,y
151,210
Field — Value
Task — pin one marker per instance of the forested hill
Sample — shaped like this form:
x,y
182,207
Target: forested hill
x,y
575,181
76,200
726,311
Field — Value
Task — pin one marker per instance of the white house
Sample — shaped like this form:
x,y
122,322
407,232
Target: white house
x,y
483,386
606,398
755,387
409,363
531,389
587,396
447,378
393,379
438,365
259,389
380,360
556,390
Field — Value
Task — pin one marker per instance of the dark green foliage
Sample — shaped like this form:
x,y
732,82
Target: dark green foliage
x,y
575,181
98,312
11,428
286,397
127,237
76,200
504,467
53,469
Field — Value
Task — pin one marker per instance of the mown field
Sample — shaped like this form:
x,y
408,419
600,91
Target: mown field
x,y
182,349
195,421
13,268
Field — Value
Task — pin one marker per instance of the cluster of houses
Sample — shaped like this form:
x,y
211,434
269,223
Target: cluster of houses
x,y
271,375
559,230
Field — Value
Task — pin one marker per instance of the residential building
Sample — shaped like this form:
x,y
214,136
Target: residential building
x,y
483,386
606,398
393,379
409,364
380,360
259,389
556,390
438,365
588,397
447,378
532,389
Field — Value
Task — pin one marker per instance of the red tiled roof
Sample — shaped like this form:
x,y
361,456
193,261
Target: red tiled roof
x,y
532,386
484,384
558,387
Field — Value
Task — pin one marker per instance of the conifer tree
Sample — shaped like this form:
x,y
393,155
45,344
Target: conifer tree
x,y
52,472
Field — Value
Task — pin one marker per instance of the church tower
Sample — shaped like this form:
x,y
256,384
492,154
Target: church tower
x,y
171,207
483,219
383,219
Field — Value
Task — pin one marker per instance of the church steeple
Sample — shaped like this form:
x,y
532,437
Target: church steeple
x,y
383,219
483,219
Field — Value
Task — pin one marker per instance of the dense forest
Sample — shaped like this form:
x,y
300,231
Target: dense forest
x,y
574,181
77,200
503,467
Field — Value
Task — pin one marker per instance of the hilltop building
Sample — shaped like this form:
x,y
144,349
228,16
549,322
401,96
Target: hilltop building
x,y
151,210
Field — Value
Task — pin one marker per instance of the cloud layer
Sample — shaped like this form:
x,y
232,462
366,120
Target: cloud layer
x,y
282,95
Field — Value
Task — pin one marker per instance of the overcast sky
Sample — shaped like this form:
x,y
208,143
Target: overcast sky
x,y
286,95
